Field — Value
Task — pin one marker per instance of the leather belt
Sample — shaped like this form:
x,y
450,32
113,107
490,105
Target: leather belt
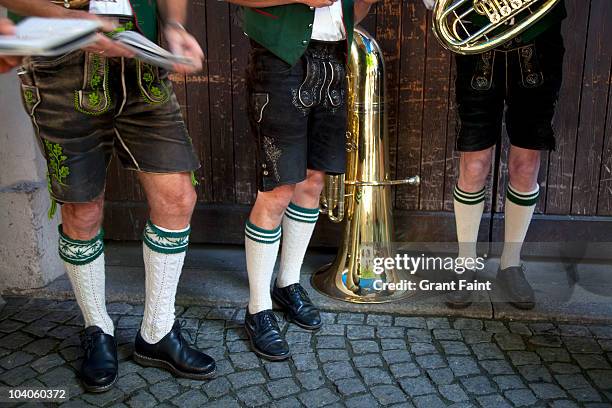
x,y
72,4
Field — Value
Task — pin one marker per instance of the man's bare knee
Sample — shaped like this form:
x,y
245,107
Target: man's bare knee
x,y
176,201
82,220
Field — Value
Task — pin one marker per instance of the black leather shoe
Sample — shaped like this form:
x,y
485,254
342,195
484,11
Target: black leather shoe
x,y
460,299
265,335
100,368
297,306
516,288
172,353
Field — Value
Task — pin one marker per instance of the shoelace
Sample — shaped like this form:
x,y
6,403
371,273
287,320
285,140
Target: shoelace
x,y
269,319
299,290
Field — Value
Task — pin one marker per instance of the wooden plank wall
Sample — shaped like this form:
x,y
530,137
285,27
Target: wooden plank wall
x,y
576,179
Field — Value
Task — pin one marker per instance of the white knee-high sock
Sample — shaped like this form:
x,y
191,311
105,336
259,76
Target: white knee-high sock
x,y
164,254
261,247
84,261
518,214
468,214
298,226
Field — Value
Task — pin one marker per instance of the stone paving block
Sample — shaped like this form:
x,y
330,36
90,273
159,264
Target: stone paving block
x,y
368,360
509,341
393,344
388,394
547,391
574,330
331,329
47,362
422,348
305,361
548,354
41,347
572,381
338,369
350,318
447,334
401,370
104,398
520,328
9,326
523,357
581,345
601,332
463,366
58,376
326,355
226,402
429,361
349,386
496,401
298,337
535,373
282,388
521,397
246,378
15,359
476,336
563,404
428,401
29,315
278,369
190,399
237,346
359,332
164,390
15,341
289,402
384,332
591,361
311,380
495,326
441,376
508,382
374,376
497,367
601,378
455,348
364,346
418,336
468,324
487,351
453,392
545,340
586,394
221,313
411,322
330,342
17,376
396,356
479,385
244,361
379,320
362,401
318,398
564,368
417,386
216,387
131,382
254,396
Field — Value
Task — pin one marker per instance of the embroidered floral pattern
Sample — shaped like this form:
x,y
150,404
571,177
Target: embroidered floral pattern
x,y
28,96
80,252
57,170
273,153
152,90
165,242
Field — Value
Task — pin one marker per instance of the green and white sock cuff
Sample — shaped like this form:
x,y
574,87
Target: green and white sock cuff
x,y
263,236
469,198
301,214
165,241
523,199
77,252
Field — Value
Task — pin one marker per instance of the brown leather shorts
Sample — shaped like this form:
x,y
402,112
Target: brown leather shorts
x,y
85,107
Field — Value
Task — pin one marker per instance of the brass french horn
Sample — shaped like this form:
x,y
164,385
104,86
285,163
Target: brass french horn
x,y
503,21
362,198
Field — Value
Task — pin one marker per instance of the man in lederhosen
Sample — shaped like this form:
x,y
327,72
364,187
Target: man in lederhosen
x,y
521,78
86,106
298,111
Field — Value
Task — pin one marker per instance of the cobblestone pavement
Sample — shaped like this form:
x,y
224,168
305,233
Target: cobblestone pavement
x,y
355,360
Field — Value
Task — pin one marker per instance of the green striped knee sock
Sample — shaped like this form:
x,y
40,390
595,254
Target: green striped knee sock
x,y
261,247
84,262
518,215
298,226
164,252
468,213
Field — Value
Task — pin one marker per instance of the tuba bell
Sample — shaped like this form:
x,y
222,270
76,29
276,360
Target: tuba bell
x,y
502,21
362,197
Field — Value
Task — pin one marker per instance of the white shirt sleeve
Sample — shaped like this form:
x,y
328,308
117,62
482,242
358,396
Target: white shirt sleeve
x,y
110,7
328,23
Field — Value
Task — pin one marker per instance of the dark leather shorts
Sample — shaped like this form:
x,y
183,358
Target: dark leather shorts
x,y
298,113
521,79
84,107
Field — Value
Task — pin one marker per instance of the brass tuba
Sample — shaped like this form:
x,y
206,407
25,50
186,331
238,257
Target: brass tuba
x,y
503,20
362,198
